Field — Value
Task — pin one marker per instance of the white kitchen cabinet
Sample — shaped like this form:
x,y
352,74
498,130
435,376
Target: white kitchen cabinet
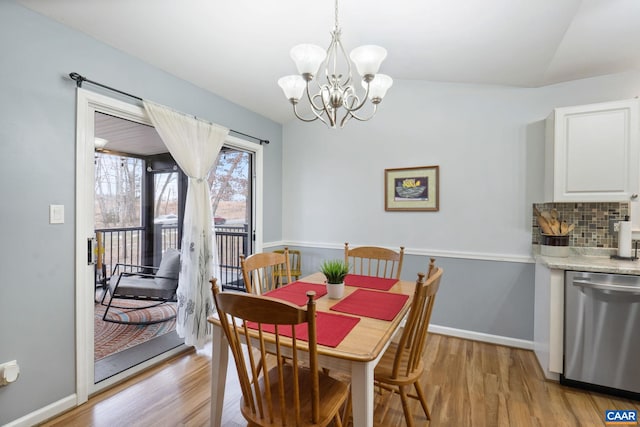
x,y
592,153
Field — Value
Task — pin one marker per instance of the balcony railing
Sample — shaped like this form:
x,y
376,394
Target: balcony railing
x,y
121,245
233,241
124,245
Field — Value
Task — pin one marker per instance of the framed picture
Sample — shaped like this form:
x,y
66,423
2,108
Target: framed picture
x,y
411,189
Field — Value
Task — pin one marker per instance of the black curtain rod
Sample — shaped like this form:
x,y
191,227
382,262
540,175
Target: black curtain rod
x,y
81,79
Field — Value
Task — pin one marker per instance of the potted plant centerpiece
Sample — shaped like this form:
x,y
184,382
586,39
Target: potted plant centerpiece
x,y
335,272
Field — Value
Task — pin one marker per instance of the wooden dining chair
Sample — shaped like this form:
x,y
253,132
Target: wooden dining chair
x,y
294,264
374,261
402,363
292,393
261,271
432,267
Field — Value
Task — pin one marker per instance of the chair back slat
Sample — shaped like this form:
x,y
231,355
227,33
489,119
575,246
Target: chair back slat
x,y
274,390
263,272
255,367
235,344
413,338
374,261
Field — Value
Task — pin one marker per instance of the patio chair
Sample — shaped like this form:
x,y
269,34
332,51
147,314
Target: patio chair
x,y
155,284
374,261
286,394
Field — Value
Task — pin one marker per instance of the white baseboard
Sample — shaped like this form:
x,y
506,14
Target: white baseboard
x,y
479,336
57,408
43,414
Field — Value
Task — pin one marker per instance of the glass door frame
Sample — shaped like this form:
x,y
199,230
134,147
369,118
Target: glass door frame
x,y
88,103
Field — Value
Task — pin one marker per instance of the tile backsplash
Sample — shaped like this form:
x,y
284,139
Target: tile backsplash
x,y
591,219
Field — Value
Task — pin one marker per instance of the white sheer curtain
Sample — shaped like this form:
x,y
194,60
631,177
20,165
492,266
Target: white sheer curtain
x,y
194,144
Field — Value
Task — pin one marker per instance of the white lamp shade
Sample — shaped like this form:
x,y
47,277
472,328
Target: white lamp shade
x,y
308,58
292,86
378,86
368,59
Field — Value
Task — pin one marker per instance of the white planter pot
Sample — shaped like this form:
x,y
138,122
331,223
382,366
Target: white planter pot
x,y
335,290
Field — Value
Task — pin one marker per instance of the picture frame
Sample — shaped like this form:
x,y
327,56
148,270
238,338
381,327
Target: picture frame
x,y
412,189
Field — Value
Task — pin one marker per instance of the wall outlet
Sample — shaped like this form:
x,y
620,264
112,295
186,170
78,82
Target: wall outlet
x,y
614,226
9,372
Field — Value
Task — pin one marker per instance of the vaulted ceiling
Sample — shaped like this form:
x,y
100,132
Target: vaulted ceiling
x,y
239,48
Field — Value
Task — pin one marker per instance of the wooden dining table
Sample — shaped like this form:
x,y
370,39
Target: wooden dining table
x,y
357,354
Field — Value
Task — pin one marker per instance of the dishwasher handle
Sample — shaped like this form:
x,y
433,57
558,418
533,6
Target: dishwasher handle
x,y
586,283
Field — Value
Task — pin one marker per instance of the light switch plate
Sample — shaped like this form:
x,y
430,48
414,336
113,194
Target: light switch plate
x,y
56,214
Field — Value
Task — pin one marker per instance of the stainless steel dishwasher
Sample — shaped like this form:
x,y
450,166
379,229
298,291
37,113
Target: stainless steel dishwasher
x,y
602,332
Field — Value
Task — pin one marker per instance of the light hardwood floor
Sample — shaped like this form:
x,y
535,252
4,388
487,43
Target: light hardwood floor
x,y
467,384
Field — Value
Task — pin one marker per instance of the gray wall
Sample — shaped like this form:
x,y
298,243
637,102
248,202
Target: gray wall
x,y
489,144
37,147
486,139
475,295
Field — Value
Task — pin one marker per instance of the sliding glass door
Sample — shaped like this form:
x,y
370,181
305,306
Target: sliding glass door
x,y
130,190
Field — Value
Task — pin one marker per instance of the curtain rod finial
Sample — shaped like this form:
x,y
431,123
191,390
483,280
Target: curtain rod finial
x,y
78,78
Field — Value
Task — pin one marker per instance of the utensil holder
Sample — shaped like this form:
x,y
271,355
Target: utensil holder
x,y
553,245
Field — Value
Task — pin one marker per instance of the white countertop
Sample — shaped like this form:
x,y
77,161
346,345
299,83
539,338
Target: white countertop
x,y
589,259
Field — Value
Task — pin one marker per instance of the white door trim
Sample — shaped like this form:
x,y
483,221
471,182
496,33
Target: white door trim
x,y
88,103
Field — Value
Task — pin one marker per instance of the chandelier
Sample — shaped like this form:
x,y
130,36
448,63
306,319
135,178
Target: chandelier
x,y
338,96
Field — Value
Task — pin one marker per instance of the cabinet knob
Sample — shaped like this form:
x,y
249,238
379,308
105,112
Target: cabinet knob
x,y
634,196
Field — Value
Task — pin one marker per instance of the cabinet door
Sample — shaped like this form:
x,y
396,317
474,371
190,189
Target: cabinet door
x,y
595,152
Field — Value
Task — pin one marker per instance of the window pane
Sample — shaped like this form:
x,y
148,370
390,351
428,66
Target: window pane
x,y
118,191
165,199
229,182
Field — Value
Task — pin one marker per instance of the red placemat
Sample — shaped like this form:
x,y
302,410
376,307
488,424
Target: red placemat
x,y
379,305
330,328
296,292
369,282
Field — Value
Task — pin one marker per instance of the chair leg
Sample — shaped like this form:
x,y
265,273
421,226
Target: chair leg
x,y
104,295
423,401
405,406
346,414
386,406
104,316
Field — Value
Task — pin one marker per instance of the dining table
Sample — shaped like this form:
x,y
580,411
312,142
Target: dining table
x,y
373,309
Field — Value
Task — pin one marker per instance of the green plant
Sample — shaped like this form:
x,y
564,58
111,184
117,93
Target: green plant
x,y
334,270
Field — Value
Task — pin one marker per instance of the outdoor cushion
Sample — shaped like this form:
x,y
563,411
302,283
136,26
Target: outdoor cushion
x,y
169,267
144,286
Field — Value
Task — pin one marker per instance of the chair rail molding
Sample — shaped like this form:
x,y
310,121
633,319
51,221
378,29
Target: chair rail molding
x,y
482,256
